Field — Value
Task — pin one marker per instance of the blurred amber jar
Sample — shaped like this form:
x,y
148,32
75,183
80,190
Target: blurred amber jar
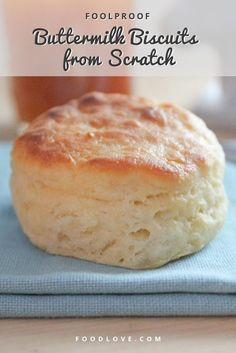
x,y
34,95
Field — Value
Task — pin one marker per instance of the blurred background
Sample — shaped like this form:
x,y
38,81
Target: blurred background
x,y
211,97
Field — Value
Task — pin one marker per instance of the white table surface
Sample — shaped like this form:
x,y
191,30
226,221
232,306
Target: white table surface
x,y
178,335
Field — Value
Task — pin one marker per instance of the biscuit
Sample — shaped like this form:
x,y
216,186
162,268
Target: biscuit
x,y
119,180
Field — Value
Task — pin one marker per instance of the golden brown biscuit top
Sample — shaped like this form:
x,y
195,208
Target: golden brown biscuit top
x,y
119,132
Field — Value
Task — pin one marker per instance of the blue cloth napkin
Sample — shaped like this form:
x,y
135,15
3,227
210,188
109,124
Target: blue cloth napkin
x,y
36,284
